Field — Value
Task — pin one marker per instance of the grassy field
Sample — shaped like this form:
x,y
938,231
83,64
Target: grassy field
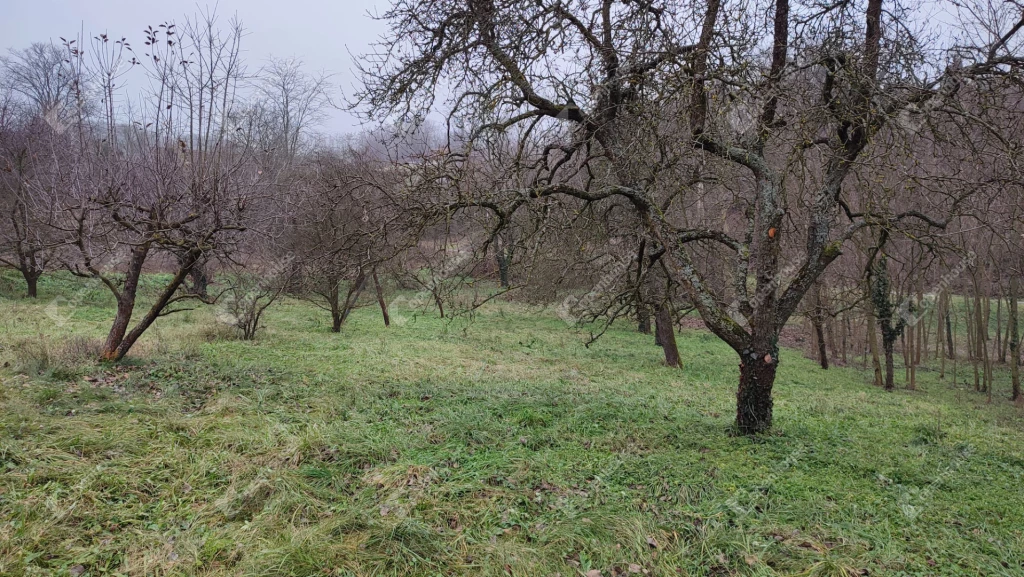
x,y
500,446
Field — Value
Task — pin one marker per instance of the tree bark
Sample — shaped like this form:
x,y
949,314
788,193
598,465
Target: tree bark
x,y
503,266
154,311
333,297
643,325
881,299
1014,339
643,313
32,280
666,335
890,369
818,319
939,343
950,349
380,299
125,303
754,396
999,329
352,297
819,330
876,362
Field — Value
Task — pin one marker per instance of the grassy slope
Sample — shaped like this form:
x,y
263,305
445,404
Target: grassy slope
x,y
497,447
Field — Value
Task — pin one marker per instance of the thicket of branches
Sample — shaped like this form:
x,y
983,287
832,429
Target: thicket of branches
x,y
842,176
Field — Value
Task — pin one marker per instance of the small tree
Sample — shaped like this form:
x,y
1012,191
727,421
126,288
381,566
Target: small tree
x,y
249,294
176,182
344,223
27,242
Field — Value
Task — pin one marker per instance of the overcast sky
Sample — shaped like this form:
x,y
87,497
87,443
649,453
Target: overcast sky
x,y
322,33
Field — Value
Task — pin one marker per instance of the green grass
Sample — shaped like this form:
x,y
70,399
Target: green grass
x,y
497,447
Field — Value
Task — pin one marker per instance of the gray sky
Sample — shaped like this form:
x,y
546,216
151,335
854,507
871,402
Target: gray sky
x,y
321,33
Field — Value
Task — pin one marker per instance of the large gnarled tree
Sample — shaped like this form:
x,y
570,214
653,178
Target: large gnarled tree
x,y
657,107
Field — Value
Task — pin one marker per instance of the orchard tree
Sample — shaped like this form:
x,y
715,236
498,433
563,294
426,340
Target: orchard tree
x,y
27,242
773,115
343,225
174,183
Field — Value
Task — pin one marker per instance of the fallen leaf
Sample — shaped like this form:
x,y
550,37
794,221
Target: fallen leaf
x,y
634,568
652,542
76,570
594,573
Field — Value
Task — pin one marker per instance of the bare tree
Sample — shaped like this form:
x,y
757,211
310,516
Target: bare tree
x,y
779,114
39,76
174,184
343,224
27,242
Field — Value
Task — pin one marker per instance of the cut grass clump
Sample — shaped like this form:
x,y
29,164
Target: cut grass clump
x,y
61,360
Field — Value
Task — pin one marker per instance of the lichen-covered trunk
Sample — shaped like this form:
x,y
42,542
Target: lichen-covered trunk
x,y
758,365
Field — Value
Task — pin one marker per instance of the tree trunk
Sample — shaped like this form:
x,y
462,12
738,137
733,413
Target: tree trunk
x,y
890,369
32,280
876,362
1014,339
921,343
915,351
999,329
847,329
939,338
200,280
155,310
754,396
950,349
333,297
818,320
643,324
380,299
643,312
352,297
666,335
125,304
819,330
882,300
440,303
504,260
